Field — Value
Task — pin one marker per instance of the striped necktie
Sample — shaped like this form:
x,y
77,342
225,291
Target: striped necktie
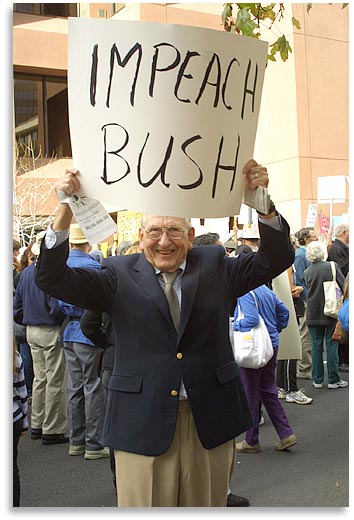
x,y
171,297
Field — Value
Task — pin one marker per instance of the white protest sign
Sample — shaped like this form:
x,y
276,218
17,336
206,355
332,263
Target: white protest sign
x,y
289,338
163,117
311,215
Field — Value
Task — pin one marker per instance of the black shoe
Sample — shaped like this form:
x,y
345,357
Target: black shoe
x,y
54,438
36,433
236,501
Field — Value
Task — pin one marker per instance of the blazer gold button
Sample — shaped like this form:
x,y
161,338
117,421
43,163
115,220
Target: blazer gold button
x,y
174,393
179,355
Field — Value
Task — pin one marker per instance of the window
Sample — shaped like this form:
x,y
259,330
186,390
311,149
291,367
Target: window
x,y
41,116
47,9
102,13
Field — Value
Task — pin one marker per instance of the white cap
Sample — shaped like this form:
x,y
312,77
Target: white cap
x,y
249,233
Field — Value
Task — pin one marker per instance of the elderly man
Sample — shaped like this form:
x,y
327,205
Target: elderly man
x,y
339,250
176,402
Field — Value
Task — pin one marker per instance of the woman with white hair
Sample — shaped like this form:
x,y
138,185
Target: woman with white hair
x,y
321,326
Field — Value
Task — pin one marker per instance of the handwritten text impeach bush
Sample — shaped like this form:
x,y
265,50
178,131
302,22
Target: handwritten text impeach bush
x,y
215,86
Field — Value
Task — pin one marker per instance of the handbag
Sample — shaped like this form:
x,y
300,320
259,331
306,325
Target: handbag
x,y
333,296
340,335
252,349
19,331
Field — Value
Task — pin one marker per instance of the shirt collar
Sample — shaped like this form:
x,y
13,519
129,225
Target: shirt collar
x,y
181,267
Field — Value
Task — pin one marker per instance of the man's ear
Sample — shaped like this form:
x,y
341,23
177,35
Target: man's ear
x,y
141,235
191,235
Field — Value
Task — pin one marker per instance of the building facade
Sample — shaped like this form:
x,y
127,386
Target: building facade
x,y
303,129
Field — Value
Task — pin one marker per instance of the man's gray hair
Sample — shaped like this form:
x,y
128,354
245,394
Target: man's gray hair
x,y
145,215
315,251
340,229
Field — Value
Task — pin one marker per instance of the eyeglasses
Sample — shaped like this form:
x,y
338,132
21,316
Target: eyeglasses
x,y
155,233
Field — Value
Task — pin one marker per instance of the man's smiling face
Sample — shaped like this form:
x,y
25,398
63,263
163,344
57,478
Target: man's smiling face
x,y
166,241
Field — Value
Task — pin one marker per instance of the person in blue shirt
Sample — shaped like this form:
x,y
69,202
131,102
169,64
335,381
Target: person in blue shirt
x,y
260,384
43,319
86,407
305,236
343,315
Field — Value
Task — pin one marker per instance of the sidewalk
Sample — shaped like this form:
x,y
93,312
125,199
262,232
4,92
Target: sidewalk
x,y
312,474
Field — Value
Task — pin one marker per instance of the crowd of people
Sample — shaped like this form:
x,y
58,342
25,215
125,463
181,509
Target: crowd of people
x,y
136,387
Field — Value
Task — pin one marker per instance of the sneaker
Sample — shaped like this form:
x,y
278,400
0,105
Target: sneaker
x,y
286,443
298,397
282,393
76,450
317,385
261,419
339,384
97,454
244,447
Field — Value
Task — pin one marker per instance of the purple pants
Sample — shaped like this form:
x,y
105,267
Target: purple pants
x,y
260,386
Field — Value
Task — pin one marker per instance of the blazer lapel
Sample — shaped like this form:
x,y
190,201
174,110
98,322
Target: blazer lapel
x,y
190,281
145,276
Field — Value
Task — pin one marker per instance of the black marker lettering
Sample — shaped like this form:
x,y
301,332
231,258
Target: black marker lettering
x,y
206,77
93,80
105,128
248,91
223,90
181,74
200,180
154,64
122,63
161,171
223,167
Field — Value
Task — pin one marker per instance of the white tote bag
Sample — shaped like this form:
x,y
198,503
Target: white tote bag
x,y
333,296
252,349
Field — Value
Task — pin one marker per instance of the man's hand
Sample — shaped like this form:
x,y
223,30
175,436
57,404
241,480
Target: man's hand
x,y
65,186
256,175
256,194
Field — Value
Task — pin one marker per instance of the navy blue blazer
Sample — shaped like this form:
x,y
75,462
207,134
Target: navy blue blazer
x,y
143,390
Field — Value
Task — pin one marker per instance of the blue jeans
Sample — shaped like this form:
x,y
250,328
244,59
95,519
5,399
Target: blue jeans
x,y
25,351
320,333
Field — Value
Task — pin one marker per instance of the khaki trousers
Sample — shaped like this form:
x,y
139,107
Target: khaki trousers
x,y
304,365
187,475
49,402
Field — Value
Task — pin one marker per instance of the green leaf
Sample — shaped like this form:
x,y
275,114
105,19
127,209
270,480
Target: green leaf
x,y
296,23
344,5
283,47
308,7
245,24
227,12
274,48
270,57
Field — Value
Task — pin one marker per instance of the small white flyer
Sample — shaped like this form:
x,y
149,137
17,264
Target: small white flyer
x,y
92,217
